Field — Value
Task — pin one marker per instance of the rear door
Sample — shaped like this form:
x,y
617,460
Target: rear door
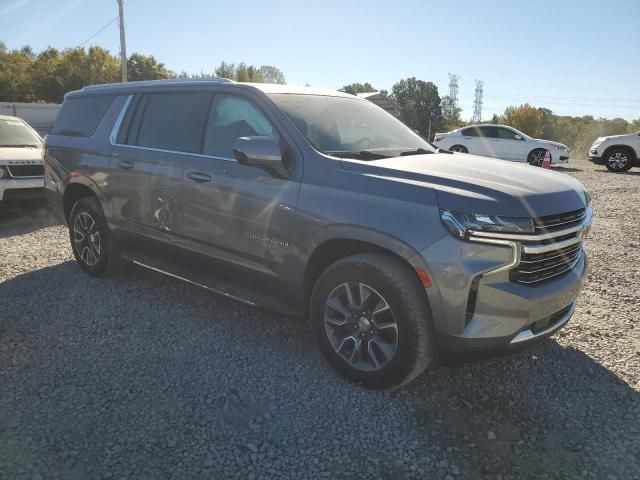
x,y
160,132
240,214
488,141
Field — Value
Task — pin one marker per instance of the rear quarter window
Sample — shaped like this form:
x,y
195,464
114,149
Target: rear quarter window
x,y
80,117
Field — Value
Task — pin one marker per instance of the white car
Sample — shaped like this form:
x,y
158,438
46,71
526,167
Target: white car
x,y
500,141
618,152
21,170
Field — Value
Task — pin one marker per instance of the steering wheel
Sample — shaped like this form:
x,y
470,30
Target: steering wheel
x,y
360,144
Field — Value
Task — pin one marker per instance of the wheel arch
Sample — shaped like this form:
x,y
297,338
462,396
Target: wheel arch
x,y
78,188
329,250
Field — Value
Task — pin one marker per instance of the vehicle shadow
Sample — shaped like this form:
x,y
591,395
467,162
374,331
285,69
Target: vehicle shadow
x,y
567,169
25,218
551,409
628,172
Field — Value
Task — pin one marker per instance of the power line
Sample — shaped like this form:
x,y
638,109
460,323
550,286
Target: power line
x,y
98,32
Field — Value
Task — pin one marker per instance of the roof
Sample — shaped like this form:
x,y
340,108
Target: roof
x,y
264,87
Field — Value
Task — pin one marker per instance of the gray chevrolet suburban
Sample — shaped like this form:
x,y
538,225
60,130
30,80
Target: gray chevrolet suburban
x,y
319,204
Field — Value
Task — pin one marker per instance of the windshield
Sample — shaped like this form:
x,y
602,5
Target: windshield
x,y
350,127
16,133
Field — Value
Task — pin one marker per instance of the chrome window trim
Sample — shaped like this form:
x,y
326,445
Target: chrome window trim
x,y
115,131
177,152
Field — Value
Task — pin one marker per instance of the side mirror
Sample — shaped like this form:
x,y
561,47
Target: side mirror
x,y
258,151
517,137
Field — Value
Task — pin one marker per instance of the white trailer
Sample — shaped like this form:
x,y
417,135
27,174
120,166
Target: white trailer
x,y
39,115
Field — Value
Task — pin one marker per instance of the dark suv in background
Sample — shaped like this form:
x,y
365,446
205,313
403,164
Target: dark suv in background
x,y
318,203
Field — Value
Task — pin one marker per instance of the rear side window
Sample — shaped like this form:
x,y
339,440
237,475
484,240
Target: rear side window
x,y
470,132
491,132
170,121
80,117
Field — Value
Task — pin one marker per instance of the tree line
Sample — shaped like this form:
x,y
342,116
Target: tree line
x,y
26,76
46,76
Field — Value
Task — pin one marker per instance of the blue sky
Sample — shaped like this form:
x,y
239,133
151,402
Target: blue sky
x,y
575,57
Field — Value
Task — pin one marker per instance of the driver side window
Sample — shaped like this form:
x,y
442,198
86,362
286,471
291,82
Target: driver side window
x,y
506,134
232,117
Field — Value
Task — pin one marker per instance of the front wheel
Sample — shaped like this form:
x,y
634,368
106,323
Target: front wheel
x,y
618,160
371,319
459,149
92,242
536,157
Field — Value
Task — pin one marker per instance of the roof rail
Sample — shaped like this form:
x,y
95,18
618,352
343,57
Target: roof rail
x,y
159,82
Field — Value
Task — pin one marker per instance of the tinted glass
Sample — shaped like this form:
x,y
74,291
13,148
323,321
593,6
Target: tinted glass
x,y
470,132
344,124
14,132
80,117
232,117
491,132
506,134
171,121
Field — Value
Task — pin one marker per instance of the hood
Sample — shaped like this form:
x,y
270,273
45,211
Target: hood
x,y
474,184
28,155
550,142
619,137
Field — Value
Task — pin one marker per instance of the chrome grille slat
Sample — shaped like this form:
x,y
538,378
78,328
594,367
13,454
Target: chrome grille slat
x,y
567,253
554,274
569,260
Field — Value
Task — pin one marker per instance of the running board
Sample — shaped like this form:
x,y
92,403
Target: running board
x,y
213,283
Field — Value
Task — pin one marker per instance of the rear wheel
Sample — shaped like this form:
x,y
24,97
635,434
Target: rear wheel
x,y
92,242
536,157
370,317
618,160
459,149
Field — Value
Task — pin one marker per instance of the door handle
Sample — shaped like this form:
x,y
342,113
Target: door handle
x,y
125,164
199,177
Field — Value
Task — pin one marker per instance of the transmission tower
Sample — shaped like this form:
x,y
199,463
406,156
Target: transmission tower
x,y
477,104
453,89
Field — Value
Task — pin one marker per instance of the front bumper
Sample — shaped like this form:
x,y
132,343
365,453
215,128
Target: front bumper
x,y
476,311
21,188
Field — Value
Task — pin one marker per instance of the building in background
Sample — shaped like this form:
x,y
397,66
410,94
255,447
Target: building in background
x,y
381,100
39,115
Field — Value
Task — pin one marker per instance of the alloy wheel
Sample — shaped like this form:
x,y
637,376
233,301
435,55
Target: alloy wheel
x,y
537,158
86,238
617,161
361,326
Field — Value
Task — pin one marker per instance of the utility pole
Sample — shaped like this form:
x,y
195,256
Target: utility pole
x,y
123,44
477,104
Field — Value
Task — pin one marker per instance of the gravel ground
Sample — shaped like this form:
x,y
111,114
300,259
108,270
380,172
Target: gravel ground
x,y
143,377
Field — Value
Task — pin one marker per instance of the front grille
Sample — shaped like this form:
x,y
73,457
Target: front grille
x,y
538,267
17,171
555,253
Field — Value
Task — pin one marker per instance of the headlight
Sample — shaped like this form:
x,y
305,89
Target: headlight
x,y
587,198
460,224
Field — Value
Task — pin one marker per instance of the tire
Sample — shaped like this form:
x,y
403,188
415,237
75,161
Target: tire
x,y
459,149
618,160
399,289
91,240
536,157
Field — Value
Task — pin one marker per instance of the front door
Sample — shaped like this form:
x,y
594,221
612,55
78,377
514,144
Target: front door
x,y
510,145
240,214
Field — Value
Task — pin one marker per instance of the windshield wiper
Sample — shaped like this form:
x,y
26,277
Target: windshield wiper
x,y
417,151
361,155
19,145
